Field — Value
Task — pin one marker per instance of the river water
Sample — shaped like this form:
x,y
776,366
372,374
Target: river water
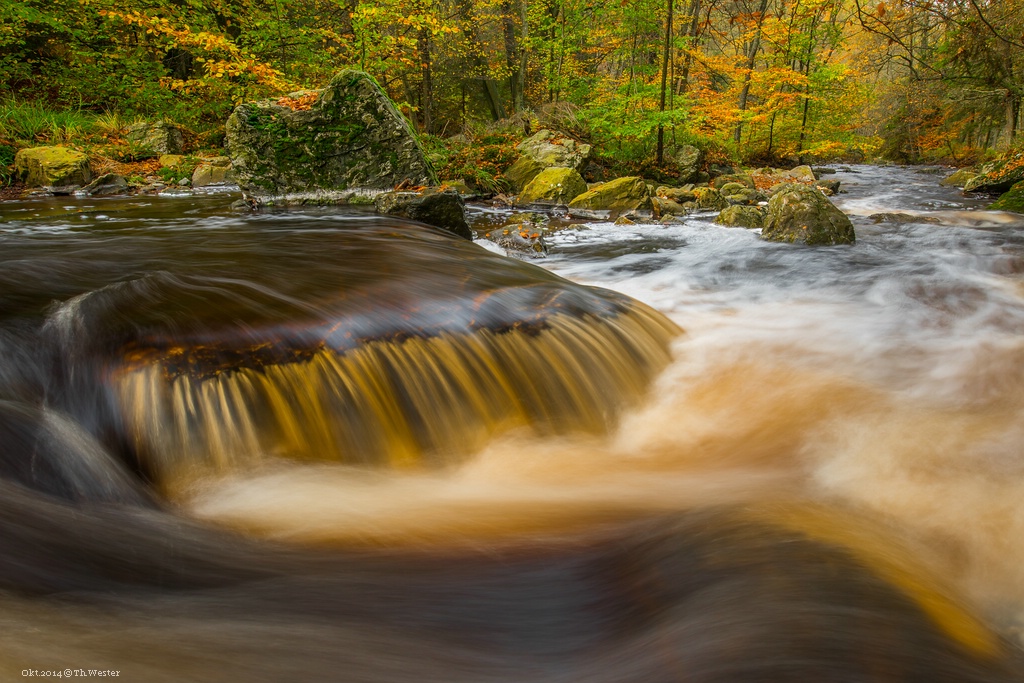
x,y
319,445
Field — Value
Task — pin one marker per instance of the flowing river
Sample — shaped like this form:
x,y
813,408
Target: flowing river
x,y
321,445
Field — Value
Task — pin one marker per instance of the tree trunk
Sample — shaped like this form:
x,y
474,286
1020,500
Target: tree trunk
x,y
664,81
751,61
691,32
426,81
508,25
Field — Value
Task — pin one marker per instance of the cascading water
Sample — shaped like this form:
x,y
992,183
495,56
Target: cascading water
x,y
316,444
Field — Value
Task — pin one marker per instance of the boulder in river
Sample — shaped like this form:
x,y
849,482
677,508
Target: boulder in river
x,y
556,186
663,206
709,198
800,213
106,184
214,171
998,176
619,196
441,208
1011,200
677,194
738,216
52,166
347,136
832,186
553,149
741,179
959,178
522,172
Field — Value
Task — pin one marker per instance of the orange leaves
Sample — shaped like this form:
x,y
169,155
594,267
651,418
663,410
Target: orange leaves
x,y
302,103
222,57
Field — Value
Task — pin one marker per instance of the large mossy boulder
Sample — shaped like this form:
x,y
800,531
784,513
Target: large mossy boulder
x,y
709,198
213,171
556,186
52,167
1011,200
347,136
959,178
522,172
553,149
741,179
998,176
155,139
619,196
688,160
738,216
800,213
440,208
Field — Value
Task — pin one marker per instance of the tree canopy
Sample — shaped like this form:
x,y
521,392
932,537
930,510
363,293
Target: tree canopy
x,y
758,79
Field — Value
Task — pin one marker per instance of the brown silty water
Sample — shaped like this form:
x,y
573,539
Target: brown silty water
x,y
314,444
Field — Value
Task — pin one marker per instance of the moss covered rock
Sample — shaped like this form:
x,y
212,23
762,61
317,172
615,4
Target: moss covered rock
x,y
556,186
621,195
998,176
742,216
348,135
156,138
522,172
677,194
1011,200
709,198
741,179
959,178
550,148
800,213
663,206
441,208
688,160
107,184
52,166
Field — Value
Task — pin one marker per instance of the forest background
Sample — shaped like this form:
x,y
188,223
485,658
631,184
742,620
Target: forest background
x,y
750,81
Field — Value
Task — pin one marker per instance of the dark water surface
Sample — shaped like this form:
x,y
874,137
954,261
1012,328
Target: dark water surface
x,y
319,445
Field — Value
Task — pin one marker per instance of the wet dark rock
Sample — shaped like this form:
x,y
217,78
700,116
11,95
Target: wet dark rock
x,y
441,208
901,218
522,240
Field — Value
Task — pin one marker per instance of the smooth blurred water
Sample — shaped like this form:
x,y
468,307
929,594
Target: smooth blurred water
x,y
823,484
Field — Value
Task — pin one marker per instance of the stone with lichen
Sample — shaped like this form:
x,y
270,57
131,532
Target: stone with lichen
x,y
801,214
347,136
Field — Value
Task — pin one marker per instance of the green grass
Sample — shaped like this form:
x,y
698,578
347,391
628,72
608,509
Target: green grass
x,y
31,122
